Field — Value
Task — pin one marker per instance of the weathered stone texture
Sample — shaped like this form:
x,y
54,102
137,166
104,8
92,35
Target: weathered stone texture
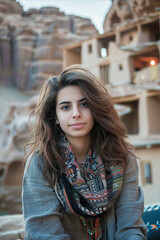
x,y
31,43
14,128
12,227
128,10
10,6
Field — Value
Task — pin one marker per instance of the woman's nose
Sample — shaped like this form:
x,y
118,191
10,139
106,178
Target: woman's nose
x,y
76,112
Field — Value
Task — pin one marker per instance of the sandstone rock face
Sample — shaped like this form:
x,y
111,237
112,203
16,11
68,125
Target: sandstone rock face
x,y
12,227
14,128
10,6
31,43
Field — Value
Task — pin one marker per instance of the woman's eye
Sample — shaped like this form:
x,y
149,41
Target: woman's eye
x,y
84,104
66,107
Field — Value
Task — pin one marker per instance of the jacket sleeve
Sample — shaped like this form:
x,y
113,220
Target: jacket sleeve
x,y
41,208
130,206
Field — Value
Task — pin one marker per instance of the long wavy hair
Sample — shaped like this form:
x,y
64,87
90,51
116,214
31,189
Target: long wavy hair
x,y
108,134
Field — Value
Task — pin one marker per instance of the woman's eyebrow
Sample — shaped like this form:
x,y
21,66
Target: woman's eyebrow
x,y
68,102
81,100
65,102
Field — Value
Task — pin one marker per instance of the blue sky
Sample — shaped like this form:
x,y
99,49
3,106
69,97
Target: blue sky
x,y
93,9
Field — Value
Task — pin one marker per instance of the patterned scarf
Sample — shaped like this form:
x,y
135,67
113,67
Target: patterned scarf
x,y
92,194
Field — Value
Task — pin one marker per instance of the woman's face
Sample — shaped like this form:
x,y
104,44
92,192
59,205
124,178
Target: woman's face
x,y
73,113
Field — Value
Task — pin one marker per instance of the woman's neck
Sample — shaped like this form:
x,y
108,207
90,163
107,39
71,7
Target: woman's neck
x,y
80,147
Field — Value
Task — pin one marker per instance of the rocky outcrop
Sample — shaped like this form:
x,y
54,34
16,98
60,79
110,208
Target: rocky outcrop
x,y
10,6
31,43
14,128
123,11
12,227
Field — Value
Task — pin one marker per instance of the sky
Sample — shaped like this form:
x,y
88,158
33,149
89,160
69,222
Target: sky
x,y
93,9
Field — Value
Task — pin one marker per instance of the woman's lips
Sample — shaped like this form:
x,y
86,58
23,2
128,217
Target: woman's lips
x,y
77,125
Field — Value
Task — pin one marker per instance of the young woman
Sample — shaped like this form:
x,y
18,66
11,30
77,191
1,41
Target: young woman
x,y
81,177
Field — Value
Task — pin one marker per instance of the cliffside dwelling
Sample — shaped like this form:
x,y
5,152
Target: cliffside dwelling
x,y
126,57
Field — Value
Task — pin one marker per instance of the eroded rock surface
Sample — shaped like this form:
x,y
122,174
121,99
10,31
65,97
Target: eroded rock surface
x,y
10,6
124,11
12,227
31,42
14,128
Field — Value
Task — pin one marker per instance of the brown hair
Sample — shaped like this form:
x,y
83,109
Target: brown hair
x,y
108,133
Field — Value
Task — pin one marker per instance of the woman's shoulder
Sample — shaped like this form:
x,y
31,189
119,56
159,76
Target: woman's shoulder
x,y
131,166
34,165
132,159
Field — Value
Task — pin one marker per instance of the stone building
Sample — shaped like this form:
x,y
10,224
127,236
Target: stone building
x,y
126,57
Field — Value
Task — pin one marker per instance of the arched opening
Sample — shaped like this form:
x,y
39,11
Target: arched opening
x,y
115,19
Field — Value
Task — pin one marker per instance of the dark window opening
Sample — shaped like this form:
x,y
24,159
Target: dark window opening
x,y
103,45
115,19
120,67
2,172
146,173
89,48
104,73
130,120
130,38
152,29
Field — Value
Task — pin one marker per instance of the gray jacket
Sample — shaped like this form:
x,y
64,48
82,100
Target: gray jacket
x,y
45,218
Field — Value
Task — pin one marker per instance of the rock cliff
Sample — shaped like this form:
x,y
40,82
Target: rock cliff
x,y
31,42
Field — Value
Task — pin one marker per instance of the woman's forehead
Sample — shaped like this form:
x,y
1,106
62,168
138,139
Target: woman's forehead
x,y
70,93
